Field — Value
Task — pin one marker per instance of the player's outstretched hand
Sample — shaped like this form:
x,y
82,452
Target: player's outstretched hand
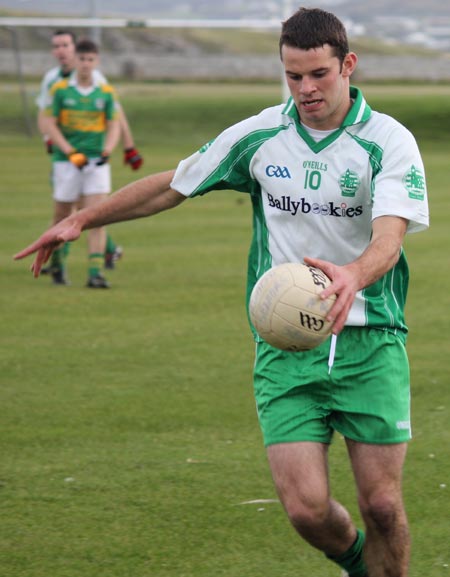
x,y
132,157
64,231
344,285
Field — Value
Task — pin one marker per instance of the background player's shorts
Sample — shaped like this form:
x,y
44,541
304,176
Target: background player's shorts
x,y
365,396
70,183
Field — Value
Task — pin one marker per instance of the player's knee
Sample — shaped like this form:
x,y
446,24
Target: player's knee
x,y
381,511
308,515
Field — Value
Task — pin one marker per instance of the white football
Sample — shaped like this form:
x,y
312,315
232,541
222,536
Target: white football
x,y
286,310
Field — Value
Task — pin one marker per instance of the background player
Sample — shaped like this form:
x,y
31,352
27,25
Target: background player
x,y
63,50
82,122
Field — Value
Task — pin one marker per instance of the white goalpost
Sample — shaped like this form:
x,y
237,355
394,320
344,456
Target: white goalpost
x,y
96,24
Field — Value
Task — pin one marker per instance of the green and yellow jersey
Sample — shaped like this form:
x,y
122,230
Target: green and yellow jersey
x,y
82,114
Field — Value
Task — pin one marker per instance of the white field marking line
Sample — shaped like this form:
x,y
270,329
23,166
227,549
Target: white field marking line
x,y
259,501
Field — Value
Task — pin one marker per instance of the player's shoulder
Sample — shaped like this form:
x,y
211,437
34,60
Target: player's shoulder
x,y
273,115
61,84
384,122
99,77
52,75
270,119
254,130
381,127
106,88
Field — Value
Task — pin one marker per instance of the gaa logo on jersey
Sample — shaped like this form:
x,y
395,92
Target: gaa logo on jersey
x,y
349,183
277,171
414,182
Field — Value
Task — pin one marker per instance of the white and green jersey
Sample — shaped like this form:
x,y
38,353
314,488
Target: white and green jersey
x,y
55,75
318,198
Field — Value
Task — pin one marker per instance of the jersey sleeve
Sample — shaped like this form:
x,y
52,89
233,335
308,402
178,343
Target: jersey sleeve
x,y
225,162
400,186
43,99
112,104
99,77
54,107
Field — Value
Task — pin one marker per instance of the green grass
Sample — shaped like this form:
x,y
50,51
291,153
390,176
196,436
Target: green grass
x,y
128,433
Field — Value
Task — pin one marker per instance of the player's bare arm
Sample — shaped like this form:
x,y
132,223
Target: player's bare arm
x,y
141,198
125,130
112,136
41,122
50,127
379,257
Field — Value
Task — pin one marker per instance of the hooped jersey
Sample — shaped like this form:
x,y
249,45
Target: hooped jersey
x,y
82,115
318,199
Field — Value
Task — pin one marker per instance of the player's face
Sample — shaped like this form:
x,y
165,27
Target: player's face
x,y
319,84
63,49
85,64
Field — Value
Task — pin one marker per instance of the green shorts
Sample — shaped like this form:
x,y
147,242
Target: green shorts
x,y
365,395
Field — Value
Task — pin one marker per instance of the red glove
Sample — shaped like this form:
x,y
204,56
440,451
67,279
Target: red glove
x,y
49,145
78,159
132,157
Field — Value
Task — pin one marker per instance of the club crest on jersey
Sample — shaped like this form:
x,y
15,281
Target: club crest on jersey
x,y
99,104
349,183
414,182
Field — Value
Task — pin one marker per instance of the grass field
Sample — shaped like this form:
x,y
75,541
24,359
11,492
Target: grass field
x,y
128,435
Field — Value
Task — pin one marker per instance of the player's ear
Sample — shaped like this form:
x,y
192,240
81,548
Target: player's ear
x,y
349,64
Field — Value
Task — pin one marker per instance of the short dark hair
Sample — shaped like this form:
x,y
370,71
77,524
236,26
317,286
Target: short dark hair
x,y
63,32
312,28
86,46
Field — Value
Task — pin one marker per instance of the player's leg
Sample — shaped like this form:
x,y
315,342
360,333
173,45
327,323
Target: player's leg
x,y
373,392
300,474
58,259
96,247
66,192
378,474
293,393
96,187
113,252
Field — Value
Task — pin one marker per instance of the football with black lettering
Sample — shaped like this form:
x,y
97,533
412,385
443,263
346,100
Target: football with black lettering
x,y
286,310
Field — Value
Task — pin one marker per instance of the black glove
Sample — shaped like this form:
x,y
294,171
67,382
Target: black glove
x,y
103,159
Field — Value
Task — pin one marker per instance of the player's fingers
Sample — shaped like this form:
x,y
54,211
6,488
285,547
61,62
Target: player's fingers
x,y
42,256
339,312
28,250
327,268
319,263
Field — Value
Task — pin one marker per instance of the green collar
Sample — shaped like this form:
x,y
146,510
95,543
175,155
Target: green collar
x,y
359,112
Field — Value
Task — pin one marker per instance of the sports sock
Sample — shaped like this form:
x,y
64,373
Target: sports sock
x,y
66,249
58,258
352,560
95,263
110,244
